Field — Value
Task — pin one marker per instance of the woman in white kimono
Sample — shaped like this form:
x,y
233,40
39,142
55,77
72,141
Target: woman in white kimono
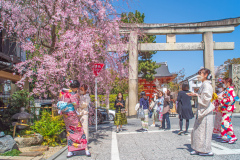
x,y
84,103
201,136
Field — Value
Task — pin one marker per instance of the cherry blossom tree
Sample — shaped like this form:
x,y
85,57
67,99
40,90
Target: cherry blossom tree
x,y
62,39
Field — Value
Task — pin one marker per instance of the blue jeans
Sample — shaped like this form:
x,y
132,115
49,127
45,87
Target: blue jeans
x,y
166,118
150,114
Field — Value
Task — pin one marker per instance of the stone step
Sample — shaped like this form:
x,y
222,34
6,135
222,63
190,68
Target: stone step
x,y
39,148
32,154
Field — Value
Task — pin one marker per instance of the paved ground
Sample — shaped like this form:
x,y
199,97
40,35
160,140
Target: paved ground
x,y
156,144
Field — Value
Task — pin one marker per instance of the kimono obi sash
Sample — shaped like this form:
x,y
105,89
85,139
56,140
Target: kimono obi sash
x,y
65,107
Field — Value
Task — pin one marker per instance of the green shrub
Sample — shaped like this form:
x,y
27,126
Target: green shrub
x,y
13,152
50,128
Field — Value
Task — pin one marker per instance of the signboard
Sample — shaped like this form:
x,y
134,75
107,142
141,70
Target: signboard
x,y
97,67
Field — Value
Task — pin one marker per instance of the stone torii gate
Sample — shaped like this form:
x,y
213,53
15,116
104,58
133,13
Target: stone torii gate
x,y
207,45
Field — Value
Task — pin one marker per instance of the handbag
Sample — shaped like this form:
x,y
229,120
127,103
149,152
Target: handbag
x,y
152,104
192,102
140,113
137,106
123,110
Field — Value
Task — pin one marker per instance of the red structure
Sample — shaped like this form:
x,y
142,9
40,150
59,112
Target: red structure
x,y
163,76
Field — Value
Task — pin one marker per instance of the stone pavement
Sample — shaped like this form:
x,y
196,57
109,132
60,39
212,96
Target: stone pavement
x,y
155,144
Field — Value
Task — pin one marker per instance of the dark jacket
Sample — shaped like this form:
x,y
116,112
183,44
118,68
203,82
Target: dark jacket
x,y
118,107
185,105
144,103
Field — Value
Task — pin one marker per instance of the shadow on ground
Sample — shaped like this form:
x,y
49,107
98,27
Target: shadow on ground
x,y
188,147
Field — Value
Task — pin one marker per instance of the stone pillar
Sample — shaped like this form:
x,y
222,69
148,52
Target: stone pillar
x,y
208,55
127,105
133,73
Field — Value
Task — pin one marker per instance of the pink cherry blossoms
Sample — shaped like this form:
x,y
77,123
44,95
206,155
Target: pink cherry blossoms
x,y
62,38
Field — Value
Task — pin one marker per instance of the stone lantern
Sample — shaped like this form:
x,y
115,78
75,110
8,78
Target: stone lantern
x,y
22,120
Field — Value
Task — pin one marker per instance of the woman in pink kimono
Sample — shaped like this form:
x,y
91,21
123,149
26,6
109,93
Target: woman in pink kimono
x,y
218,116
76,138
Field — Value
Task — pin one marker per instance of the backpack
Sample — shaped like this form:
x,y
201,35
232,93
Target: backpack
x,y
171,104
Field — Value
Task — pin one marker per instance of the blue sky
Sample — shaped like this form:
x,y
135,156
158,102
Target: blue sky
x,y
181,11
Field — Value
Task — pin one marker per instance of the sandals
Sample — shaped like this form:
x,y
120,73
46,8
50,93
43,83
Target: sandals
x,y
180,132
225,141
194,153
233,140
201,154
206,154
88,154
73,154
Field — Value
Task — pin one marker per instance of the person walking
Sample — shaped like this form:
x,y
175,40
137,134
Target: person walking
x,y
202,131
228,100
158,108
151,105
185,108
120,116
144,103
166,111
218,116
83,108
76,138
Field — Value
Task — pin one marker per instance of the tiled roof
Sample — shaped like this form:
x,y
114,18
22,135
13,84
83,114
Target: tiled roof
x,y
161,71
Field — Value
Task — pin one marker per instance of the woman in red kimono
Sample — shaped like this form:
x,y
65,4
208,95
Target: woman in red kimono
x,y
218,116
227,100
76,138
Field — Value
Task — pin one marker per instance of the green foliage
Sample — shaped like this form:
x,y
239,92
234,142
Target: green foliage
x,y
173,86
18,99
50,128
21,99
146,67
13,152
120,85
229,62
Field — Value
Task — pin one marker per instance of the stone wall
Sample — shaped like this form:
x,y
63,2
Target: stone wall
x,y
234,73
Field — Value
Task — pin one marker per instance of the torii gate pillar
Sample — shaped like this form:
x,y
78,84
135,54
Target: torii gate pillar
x,y
133,73
208,55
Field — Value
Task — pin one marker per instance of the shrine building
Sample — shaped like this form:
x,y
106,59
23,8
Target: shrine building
x,y
163,76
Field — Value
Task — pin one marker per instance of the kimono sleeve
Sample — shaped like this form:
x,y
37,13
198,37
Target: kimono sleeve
x,y
206,95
